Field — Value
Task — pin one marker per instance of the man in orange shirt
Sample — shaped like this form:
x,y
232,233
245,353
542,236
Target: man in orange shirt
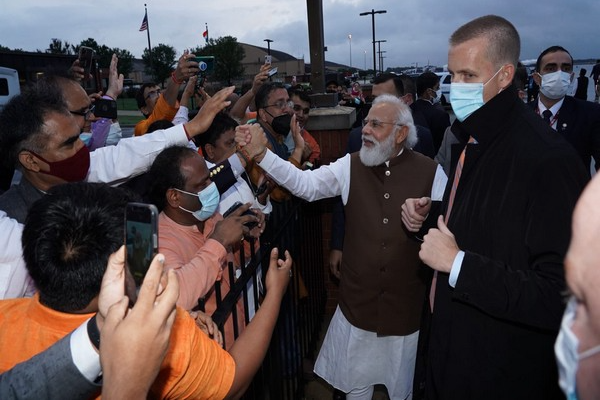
x,y
157,104
67,240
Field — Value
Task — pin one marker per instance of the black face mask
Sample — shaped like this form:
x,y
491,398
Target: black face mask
x,y
281,124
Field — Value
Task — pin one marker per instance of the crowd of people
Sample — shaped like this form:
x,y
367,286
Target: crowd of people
x,y
453,243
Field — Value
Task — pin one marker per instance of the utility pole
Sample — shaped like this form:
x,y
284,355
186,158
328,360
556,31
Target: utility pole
x,y
372,14
379,52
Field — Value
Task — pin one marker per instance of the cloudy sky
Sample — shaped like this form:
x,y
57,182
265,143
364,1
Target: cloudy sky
x,y
416,31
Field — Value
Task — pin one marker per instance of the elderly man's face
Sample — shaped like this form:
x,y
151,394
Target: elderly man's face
x,y
583,277
382,137
468,63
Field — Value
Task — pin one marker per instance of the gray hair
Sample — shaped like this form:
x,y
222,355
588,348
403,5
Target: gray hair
x,y
403,117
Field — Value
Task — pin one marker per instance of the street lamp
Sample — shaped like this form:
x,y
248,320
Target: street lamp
x,y
269,41
372,14
350,41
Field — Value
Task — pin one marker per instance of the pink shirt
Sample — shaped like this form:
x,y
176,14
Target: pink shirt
x,y
197,260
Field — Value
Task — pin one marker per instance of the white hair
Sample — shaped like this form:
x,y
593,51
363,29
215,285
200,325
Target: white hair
x,y
404,117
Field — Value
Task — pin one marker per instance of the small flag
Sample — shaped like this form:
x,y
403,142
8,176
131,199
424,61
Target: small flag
x,y
144,23
205,34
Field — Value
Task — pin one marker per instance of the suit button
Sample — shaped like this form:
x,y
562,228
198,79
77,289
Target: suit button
x,y
465,296
385,221
386,196
388,173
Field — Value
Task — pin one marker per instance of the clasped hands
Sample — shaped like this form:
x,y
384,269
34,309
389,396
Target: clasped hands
x,y
439,247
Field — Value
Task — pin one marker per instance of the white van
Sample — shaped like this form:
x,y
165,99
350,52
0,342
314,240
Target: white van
x,y
9,85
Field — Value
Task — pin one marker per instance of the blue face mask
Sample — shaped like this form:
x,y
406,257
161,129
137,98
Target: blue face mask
x,y
567,355
209,200
466,98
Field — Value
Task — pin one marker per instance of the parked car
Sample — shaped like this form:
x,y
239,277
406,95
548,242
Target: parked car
x,y
9,85
445,79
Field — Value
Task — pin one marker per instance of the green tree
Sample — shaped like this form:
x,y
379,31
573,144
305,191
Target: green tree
x,y
228,57
163,61
58,47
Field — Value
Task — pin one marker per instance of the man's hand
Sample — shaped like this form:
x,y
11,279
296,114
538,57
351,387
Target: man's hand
x,y
279,273
211,107
299,145
232,229
260,228
186,67
414,212
208,326
335,262
439,247
77,72
189,91
134,342
112,288
115,80
252,139
260,78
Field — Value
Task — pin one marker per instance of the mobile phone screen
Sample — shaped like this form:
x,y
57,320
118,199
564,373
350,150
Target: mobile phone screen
x,y
141,238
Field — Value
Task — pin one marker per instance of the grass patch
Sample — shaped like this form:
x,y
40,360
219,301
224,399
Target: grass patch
x,y
129,120
126,104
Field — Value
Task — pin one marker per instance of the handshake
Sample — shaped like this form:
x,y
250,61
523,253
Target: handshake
x,y
251,142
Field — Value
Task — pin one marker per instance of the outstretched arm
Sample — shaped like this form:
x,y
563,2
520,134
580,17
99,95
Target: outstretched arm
x,y
250,348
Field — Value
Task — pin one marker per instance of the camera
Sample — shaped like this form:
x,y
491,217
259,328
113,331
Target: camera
x,y
237,205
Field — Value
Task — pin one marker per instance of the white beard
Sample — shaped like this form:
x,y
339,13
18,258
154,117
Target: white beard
x,y
379,153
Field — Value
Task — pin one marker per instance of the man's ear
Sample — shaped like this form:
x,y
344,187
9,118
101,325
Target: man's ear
x,y
261,115
401,134
537,78
29,161
172,197
210,151
506,75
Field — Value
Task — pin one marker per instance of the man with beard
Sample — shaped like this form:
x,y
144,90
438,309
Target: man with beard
x,y
372,337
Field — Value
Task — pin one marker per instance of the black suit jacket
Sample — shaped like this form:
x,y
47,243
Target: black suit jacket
x,y
437,120
579,123
492,335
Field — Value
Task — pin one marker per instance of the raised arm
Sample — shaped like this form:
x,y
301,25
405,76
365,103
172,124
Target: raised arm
x,y
250,348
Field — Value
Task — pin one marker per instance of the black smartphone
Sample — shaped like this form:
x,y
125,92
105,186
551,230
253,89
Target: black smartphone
x,y
237,205
86,54
105,108
141,238
206,64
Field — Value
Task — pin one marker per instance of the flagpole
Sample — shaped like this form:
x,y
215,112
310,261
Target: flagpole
x,y
148,32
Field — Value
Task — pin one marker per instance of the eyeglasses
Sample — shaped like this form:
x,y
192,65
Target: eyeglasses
x,y
85,114
377,124
153,94
298,108
282,105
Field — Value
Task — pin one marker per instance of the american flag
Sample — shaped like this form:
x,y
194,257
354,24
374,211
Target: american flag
x,y
144,23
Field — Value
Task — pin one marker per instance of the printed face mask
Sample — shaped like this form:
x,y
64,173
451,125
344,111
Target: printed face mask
x,y
209,198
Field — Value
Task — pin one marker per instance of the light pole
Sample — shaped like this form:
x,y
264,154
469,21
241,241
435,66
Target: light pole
x,y
381,57
269,41
350,42
379,52
372,14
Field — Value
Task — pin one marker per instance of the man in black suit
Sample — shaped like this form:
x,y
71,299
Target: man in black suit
x,y
428,90
576,120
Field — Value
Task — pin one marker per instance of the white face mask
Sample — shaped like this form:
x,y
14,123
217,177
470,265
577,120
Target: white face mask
x,y
555,84
567,356
438,96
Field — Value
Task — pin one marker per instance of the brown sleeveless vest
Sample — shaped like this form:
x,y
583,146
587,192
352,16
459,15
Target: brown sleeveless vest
x,y
382,284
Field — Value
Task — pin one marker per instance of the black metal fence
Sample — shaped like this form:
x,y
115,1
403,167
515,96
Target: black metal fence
x,y
296,226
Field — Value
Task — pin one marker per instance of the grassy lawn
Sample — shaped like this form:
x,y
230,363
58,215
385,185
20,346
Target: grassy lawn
x,y
126,104
126,120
